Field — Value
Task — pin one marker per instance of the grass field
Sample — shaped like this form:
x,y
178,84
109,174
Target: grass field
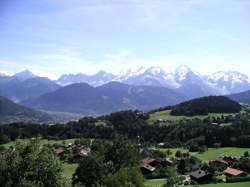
x,y
160,182
42,142
69,170
155,182
165,115
213,152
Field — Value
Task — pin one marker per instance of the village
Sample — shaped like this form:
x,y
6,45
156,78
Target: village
x,y
190,170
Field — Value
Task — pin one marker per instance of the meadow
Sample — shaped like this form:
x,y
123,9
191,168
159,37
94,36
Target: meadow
x,y
212,152
165,115
160,183
42,142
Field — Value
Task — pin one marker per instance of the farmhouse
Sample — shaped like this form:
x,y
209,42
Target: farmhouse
x,y
231,172
219,161
82,153
200,176
150,161
59,150
146,168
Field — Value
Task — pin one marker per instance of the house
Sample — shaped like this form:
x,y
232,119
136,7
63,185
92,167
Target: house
x,y
197,166
150,161
166,161
179,158
219,160
200,176
231,172
230,159
59,150
82,153
146,168
148,165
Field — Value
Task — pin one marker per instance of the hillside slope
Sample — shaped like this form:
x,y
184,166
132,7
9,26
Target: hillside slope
x,y
11,112
84,99
243,97
206,105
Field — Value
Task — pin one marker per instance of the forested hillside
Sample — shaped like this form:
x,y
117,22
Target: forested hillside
x,y
11,112
206,105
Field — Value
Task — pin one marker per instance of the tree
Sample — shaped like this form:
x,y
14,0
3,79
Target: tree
x,y
246,154
126,177
178,154
122,153
30,165
182,167
91,170
172,177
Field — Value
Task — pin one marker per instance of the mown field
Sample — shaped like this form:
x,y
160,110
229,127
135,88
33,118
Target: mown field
x,y
213,152
160,182
43,142
69,170
165,115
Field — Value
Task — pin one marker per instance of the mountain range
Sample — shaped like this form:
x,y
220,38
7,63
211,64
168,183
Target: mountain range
x,y
103,92
25,85
114,96
181,79
11,112
243,97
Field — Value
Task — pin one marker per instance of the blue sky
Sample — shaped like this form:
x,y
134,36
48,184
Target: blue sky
x,y
53,37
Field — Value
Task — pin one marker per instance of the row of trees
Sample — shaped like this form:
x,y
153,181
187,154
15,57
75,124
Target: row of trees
x,y
186,133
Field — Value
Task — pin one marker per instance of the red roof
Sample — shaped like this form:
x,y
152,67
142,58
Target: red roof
x,y
179,158
59,150
83,152
148,167
148,160
220,160
232,171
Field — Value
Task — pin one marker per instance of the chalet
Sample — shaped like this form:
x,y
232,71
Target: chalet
x,y
82,153
166,161
59,150
179,158
231,172
150,161
219,160
196,166
230,159
146,168
200,176
161,145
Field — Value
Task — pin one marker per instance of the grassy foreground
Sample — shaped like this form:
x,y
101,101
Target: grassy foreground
x,y
160,182
69,170
43,142
213,152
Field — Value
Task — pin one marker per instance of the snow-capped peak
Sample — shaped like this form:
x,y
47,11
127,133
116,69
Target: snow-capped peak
x,y
228,76
26,74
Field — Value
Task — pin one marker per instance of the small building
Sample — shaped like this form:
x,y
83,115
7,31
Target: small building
x,y
179,158
200,176
231,172
197,166
150,161
146,168
166,161
59,150
82,153
219,161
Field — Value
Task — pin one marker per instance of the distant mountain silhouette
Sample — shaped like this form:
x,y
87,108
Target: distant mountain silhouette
x,y
243,97
11,112
85,99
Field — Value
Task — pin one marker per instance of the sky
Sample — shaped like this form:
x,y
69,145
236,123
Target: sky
x,y
55,37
